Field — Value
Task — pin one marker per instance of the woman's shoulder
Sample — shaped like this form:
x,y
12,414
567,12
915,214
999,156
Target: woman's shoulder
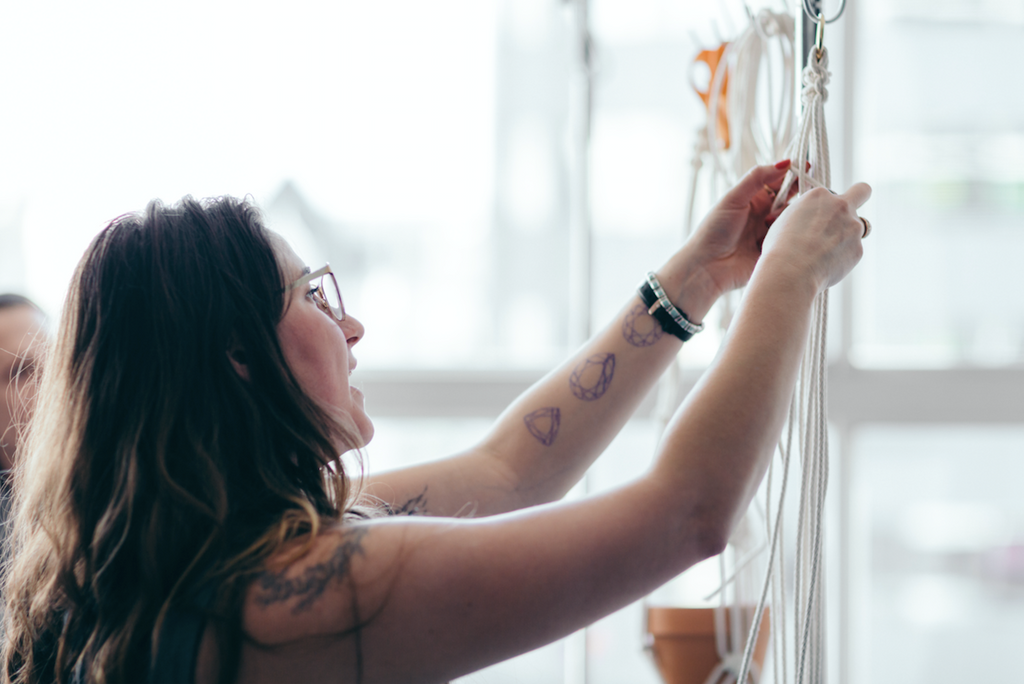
x,y
317,585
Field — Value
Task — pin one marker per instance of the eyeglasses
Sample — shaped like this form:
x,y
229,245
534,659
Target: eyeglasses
x,y
324,290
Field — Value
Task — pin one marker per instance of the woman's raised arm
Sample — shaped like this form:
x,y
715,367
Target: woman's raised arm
x,y
544,442
407,600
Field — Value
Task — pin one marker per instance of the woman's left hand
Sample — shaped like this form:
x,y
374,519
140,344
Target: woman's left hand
x,y
728,240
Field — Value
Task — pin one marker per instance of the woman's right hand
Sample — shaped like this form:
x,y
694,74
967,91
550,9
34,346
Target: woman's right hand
x,y
818,234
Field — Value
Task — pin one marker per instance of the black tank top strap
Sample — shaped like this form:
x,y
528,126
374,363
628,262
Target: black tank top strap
x,y
178,647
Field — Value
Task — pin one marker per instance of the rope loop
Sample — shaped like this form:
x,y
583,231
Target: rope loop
x,y
759,110
770,24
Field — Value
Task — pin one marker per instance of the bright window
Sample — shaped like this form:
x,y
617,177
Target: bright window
x,y
940,135
939,567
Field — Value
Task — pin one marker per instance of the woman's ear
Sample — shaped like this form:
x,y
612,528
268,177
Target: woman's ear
x,y
239,360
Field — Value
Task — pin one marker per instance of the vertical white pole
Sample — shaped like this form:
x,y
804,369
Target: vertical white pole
x,y
845,483
849,64
845,620
580,253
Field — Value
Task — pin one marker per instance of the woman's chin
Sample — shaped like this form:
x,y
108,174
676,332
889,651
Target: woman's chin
x,y
355,427
355,439
365,430
361,421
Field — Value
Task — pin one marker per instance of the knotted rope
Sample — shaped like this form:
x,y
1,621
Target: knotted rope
x,y
808,418
811,142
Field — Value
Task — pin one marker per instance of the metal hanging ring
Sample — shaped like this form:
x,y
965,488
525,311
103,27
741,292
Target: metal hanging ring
x,y
813,16
819,37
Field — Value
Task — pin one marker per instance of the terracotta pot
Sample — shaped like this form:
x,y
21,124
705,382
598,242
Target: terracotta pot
x,y
682,641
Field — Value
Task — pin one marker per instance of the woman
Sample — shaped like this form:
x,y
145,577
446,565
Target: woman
x,y
183,512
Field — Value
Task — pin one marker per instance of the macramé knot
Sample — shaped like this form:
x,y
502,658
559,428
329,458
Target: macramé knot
x,y
815,78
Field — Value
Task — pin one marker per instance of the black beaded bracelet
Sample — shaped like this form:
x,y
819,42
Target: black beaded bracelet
x,y
673,321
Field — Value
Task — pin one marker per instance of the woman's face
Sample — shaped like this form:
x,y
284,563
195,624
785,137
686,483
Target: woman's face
x,y
318,348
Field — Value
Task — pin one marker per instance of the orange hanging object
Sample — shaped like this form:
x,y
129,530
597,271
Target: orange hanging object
x,y
713,58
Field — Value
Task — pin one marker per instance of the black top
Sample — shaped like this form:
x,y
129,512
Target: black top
x,y
178,650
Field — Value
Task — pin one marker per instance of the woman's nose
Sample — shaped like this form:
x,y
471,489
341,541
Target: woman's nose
x,y
352,328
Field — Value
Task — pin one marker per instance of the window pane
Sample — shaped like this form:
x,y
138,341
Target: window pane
x,y
937,555
422,149
940,137
417,146
646,122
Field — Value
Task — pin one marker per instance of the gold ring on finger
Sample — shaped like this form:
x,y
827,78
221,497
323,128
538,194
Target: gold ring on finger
x,y
867,227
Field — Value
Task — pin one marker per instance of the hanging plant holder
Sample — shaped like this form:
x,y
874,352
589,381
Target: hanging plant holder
x,y
682,642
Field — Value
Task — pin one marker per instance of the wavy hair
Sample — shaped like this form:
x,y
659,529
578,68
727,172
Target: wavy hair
x,y
150,466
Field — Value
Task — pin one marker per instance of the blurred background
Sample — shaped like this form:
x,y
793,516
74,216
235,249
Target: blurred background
x,y
426,149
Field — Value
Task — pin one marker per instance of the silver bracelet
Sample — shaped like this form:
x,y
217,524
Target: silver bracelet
x,y
670,309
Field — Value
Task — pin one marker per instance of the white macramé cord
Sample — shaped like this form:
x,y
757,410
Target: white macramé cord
x,y
808,415
761,126
812,140
751,121
748,125
740,566
759,133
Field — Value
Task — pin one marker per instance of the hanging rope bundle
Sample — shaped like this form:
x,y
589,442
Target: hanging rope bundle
x,y
750,102
811,142
808,420
760,123
754,139
745,127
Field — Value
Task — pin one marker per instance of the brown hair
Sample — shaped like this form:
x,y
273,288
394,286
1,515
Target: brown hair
x,y
151,467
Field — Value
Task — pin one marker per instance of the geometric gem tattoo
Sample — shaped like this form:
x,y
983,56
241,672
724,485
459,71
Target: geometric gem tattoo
x,y
591,378
543,424
641,329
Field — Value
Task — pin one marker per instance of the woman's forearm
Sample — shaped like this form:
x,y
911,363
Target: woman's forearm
x,y
721,255
543,443
550,435
721,439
